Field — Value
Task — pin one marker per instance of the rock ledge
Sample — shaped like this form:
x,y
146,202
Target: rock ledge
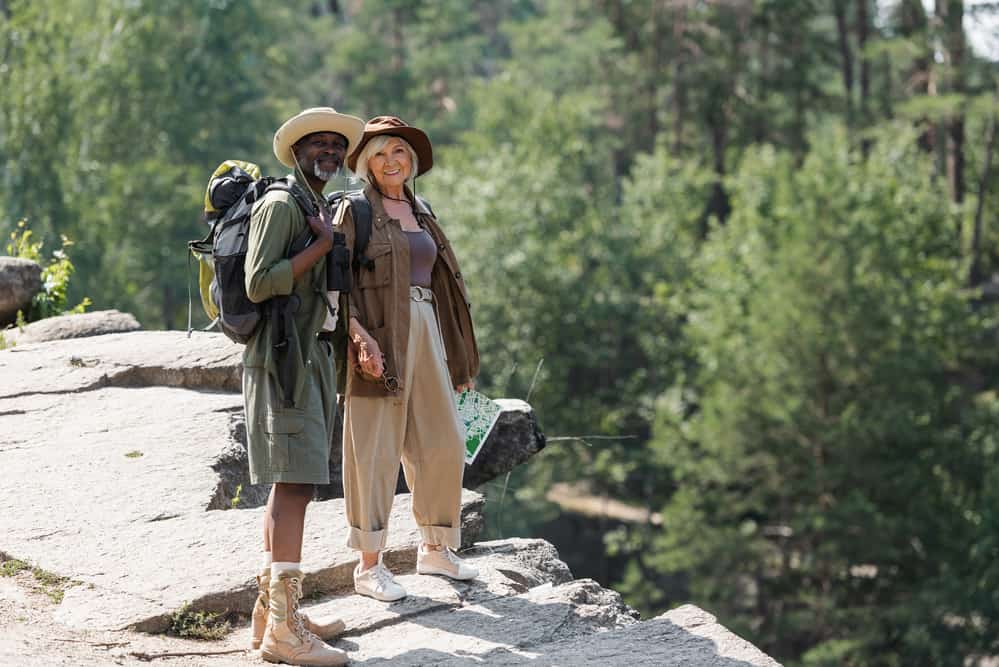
x,y
131,443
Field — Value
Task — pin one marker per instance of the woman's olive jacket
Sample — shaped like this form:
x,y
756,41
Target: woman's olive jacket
x,y
379,297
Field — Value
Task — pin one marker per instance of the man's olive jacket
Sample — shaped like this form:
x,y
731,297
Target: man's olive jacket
x,y
277,222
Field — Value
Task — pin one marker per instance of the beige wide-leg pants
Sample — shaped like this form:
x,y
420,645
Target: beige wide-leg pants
x,y
420,426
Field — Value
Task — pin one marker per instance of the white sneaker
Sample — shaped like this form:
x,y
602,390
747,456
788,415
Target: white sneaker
x,y
378,583
443,561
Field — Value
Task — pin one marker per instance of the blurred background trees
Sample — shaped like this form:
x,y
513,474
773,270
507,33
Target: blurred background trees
x,y
740,255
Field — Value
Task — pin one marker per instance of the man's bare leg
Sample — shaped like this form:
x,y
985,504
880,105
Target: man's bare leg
x,y
326,627
267,521
286,520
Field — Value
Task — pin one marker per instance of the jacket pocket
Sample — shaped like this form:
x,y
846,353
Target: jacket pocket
x,y
280,425
381,275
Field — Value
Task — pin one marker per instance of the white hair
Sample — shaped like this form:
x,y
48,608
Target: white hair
x,y
375,145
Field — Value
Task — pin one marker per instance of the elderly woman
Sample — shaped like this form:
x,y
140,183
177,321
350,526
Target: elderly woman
x,y
411,346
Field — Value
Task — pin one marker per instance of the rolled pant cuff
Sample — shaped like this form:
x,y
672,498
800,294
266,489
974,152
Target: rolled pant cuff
x,y
446,535
366,540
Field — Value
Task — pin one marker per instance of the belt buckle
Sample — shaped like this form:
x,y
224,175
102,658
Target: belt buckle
x,y
422,293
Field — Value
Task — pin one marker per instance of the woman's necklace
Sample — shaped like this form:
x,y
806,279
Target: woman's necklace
x,y
404,214
404,201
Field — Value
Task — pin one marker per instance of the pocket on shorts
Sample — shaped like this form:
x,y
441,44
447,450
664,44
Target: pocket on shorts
x,y
281,425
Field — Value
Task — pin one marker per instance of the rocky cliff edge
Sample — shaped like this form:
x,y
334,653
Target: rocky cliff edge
x,y
123,480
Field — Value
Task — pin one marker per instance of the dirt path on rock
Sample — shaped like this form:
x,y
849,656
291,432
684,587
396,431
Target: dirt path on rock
x,y
30,637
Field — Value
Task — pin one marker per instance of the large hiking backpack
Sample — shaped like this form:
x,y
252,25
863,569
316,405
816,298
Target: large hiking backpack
x,y
234,187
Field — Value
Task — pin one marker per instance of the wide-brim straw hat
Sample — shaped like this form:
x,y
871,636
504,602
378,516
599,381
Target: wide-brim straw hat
x,y
316,119
416,137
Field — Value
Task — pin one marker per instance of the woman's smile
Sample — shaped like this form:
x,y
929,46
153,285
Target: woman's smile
x,y
391,166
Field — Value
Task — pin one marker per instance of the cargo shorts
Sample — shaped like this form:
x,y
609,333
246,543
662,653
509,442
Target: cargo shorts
x,y
291,445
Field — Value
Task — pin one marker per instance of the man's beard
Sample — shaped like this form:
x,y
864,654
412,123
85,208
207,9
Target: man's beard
x,y
324,176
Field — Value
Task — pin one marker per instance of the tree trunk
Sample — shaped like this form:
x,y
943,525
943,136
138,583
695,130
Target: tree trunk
x,y
975,275
886,89
799,102
845,58
952,15
863,28
679,81
718,204
655,50
325,8
955,158
914,24
761,129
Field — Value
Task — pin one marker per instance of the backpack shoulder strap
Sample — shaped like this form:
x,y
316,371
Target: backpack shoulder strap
x,y
360,209
305,203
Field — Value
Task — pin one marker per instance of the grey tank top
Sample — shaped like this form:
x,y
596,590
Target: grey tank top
x,y
422,255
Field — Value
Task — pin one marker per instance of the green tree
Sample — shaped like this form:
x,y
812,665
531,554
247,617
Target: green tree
x,y
527,194
827,472
113,115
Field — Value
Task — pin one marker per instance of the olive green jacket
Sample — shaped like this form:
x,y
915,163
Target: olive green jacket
x,y
276,222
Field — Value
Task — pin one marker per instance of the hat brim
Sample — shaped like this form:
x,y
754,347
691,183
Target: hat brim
x,y
416,137
315,120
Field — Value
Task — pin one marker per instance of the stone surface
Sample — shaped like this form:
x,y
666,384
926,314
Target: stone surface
x,y
80,325
684,637
520,625
120,456
120,481
207,361
140,460
497,620
210,361
506,567
553,623
20,281
133,578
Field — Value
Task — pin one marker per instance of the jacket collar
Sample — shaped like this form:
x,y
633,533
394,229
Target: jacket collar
x,y
378,208
296,177
318,198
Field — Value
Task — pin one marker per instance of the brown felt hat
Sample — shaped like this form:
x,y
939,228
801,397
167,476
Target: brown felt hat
x,y
416,137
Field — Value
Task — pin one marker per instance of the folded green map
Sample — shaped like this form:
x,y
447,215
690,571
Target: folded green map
x,y
478,413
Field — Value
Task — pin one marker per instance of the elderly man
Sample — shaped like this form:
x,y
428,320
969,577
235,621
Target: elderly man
x,y
289,384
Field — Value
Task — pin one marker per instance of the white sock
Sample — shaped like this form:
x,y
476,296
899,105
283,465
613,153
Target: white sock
x,y
267,560
277,567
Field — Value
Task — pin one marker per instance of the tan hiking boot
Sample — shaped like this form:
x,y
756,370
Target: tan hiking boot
x,y
324,628
285,637
443,561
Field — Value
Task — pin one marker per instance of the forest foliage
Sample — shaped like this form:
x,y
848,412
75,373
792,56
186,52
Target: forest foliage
x,y
740,254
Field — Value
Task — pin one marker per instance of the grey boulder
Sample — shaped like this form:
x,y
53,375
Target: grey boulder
x,y
20,281
80,325
515,438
